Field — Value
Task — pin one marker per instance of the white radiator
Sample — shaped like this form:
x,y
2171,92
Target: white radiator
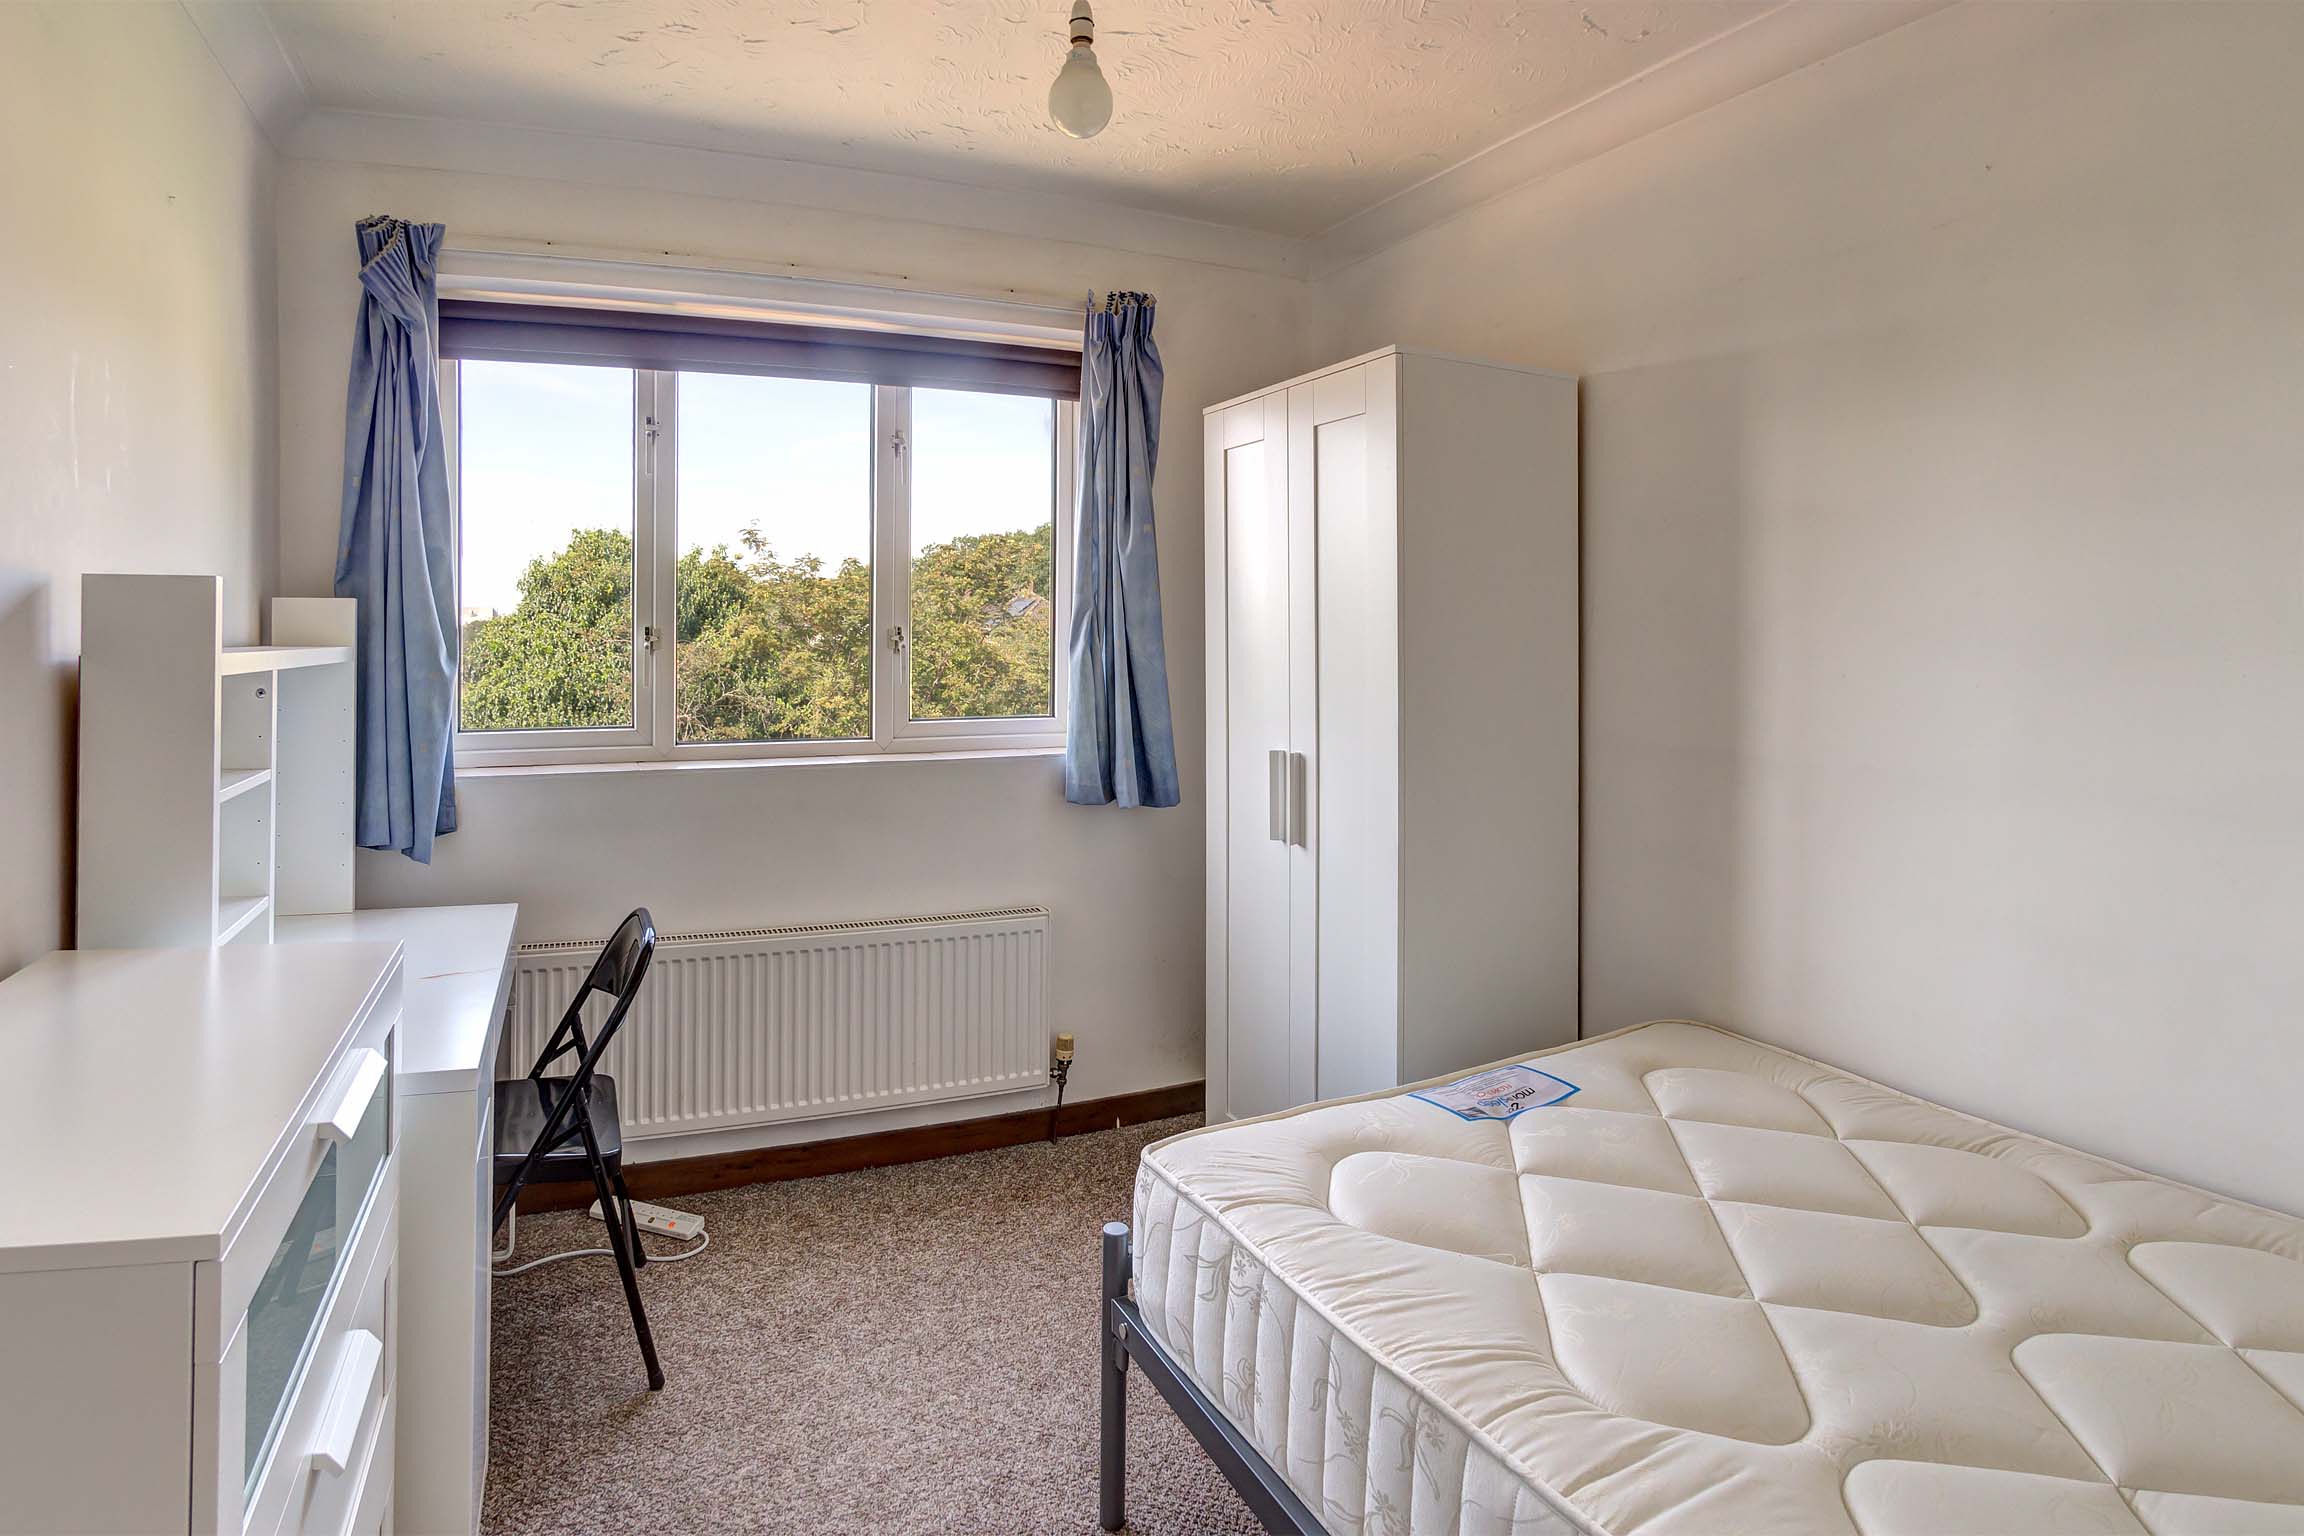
x,y
763,1025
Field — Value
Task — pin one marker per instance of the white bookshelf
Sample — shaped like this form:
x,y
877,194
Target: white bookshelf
x,y
215,781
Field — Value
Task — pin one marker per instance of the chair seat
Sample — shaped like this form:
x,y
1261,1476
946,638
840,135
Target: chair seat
x,y
523,1104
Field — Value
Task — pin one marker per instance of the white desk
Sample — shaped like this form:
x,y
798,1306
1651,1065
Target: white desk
x,y
459,965
458,976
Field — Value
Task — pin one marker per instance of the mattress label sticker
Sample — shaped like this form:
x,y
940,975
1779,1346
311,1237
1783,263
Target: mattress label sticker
x,y
1500,1094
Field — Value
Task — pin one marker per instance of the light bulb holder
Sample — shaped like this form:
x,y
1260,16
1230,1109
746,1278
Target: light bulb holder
x,y
1083,24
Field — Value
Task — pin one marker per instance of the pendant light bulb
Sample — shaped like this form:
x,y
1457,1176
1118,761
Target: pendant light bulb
x,y
1080,101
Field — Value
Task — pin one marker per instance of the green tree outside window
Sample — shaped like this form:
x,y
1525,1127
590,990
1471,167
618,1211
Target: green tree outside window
x,y
767,649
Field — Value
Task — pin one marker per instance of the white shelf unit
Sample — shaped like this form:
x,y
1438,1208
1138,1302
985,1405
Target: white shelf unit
x,y
215,781
236,781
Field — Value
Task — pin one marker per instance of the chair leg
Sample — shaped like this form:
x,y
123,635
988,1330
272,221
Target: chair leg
x,y
507,1195
621,1246
508,1192
631,1222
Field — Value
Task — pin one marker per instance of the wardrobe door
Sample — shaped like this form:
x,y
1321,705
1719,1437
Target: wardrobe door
x,y
1343,464
1306,761
1258,1049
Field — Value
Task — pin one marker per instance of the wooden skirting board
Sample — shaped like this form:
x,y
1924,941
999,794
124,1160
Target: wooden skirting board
x,y
879,1149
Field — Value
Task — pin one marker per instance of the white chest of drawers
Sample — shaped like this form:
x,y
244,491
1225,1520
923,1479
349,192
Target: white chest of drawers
x,y
197,1252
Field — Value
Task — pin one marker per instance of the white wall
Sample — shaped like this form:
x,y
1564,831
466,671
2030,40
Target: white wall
x,y
136,377
805,842
1943,492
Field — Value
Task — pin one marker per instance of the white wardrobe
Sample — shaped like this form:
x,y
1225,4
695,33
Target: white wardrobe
x,y
1392,726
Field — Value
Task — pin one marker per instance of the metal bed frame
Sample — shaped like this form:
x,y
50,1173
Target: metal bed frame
x,y
1120,1324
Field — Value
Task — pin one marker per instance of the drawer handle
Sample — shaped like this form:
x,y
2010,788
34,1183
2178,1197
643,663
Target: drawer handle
x,y
339,1430
356,1086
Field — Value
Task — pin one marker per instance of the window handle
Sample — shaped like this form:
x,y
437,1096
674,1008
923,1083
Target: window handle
x,y
896,638
1276,764
648,636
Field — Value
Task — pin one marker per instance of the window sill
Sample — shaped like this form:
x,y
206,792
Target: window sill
x,y
720,764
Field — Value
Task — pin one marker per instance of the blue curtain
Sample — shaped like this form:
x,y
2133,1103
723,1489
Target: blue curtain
x,y
1120,748
395,550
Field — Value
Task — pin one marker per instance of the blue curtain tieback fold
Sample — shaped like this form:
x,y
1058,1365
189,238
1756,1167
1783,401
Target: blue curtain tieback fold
x,y
395,547
1120,745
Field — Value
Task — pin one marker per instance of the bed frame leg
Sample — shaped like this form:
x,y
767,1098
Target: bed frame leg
x,y
1112,1485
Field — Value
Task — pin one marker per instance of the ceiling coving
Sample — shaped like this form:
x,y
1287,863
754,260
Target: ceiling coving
x,y
1283,116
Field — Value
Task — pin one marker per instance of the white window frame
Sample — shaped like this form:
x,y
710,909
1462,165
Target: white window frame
x,y
892,594
655,551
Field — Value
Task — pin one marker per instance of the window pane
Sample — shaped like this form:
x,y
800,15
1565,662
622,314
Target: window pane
x,y
983,556
775,580
546,529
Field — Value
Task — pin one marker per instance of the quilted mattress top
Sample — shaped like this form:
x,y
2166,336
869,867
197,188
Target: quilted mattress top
x,y
1725,1288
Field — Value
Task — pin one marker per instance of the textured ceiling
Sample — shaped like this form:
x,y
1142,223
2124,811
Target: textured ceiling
x,y
1278,115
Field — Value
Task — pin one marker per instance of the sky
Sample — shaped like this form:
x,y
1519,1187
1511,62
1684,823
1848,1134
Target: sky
x,y
547,449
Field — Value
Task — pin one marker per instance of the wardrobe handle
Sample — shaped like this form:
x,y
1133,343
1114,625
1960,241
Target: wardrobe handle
x,y
1276,772
1298,773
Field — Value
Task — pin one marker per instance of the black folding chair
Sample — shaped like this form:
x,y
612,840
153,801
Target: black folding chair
x,y
553,1130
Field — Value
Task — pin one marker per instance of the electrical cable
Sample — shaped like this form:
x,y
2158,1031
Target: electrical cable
x,y
512,1242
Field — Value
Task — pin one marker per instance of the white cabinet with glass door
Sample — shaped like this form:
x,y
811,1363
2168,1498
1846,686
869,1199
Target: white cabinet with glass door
x,y
1392,749
197,1316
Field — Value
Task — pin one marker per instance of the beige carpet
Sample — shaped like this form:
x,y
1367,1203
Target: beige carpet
x,y
901,1350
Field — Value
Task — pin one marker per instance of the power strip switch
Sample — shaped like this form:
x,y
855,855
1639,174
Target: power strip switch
x,y
662,1220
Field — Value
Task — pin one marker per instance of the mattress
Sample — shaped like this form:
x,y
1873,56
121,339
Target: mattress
x,y
1721,1288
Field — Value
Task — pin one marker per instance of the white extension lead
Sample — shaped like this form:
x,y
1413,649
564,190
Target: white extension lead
x,y
702,1241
